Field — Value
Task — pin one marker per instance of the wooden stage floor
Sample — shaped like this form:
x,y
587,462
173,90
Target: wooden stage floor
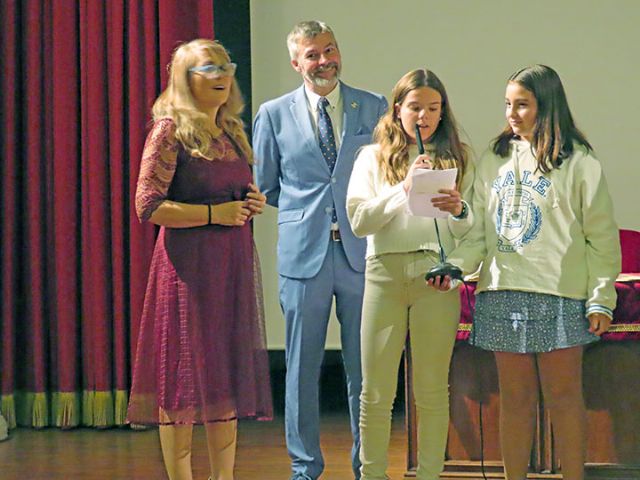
x,y
123,454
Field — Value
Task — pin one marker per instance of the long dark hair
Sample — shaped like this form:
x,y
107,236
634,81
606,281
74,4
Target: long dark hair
x,y
555,131
394,146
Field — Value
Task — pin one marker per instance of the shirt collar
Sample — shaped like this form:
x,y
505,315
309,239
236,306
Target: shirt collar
x,y
333,96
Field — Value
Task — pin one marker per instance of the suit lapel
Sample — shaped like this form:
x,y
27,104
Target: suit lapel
x,y
351,125
300,113
350,112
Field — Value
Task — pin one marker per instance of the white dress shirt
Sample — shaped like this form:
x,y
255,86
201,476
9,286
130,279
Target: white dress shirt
x,y
334,110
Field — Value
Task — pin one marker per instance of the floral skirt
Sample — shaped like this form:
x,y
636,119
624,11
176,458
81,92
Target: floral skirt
x,y
528,322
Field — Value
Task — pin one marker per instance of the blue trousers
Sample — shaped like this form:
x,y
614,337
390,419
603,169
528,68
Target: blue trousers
x,y
306,304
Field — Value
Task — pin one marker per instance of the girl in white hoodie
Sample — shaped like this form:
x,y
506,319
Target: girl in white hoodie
x,y
545,233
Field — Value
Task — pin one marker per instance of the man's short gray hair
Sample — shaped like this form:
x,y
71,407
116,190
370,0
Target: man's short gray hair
x,y
306,29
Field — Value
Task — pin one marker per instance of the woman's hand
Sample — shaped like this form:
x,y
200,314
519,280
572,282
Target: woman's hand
x,y
451,201
440,283
598,323
230,214
421,161
444,284
255,200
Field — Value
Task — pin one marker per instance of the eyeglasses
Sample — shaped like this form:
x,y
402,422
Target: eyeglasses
x,y
214,71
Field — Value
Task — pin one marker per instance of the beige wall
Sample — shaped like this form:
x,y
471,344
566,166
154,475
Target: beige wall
x,y
473,46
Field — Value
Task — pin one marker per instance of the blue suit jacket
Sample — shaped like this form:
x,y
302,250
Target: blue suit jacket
x,y
293,174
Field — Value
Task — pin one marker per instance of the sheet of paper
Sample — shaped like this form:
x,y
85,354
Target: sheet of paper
x,y
425,186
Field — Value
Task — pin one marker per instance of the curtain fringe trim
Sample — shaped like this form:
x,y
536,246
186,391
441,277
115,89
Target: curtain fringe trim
x,y
99,409
8,410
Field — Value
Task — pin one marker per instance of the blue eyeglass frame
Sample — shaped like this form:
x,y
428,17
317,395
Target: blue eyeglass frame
x,y
227,69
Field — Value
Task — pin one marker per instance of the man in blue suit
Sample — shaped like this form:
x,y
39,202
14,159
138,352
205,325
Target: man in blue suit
x,y
305,143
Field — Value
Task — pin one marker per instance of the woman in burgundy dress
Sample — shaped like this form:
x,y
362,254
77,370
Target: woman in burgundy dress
x,y
201,355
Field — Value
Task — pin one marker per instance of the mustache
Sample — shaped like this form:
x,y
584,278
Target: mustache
x,y
324,68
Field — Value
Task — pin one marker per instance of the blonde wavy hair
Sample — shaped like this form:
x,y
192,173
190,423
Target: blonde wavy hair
x,y
178,104
445,144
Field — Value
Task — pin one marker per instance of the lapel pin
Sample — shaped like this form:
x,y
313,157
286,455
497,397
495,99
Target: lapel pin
x,y
354,104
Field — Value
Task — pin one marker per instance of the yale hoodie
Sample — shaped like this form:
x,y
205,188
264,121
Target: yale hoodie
x,y
549,233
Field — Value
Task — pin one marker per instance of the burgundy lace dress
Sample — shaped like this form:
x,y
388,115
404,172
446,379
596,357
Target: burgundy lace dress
x,y
201,353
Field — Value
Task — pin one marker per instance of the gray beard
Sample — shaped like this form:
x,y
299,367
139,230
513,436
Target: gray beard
x,y
324,82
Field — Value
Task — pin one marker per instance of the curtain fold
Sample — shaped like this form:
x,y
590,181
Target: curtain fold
x,y
65,279
10,255
79,79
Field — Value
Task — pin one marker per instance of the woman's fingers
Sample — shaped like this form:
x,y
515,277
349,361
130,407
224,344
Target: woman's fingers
x,y
599,323
450,201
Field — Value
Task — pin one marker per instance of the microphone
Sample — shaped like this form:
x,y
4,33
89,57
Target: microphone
x,y
443,267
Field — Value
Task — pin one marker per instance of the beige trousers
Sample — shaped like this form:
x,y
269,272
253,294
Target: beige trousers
x,y
397,302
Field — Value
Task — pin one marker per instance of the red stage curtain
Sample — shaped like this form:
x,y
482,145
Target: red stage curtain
x,y
78,81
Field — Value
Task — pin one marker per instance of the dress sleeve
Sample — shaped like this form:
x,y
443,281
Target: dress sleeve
x,y
157,167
